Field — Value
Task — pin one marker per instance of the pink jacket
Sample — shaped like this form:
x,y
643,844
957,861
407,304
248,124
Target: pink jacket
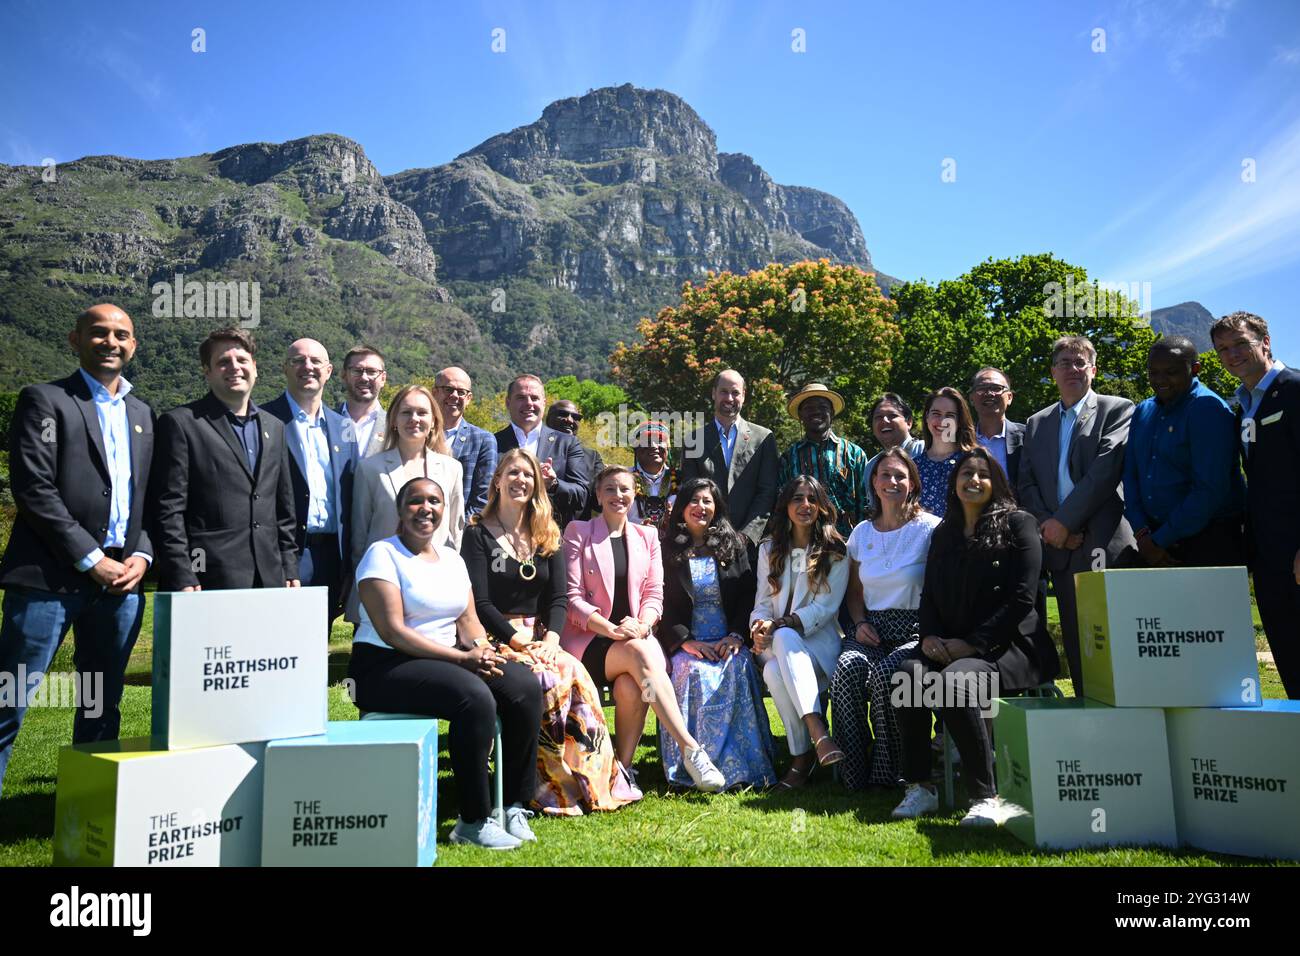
x,y
590,559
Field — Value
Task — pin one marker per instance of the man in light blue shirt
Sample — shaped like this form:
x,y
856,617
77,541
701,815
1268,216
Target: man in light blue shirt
x,y
80,453
990,399
321,463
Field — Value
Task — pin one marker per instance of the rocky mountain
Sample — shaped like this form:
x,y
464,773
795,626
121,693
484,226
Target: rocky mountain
x,y
537,249
1187,318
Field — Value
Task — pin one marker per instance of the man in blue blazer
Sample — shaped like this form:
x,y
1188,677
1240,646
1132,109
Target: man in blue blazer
x,y
1268,415
80,450
322,455
564,465
475,448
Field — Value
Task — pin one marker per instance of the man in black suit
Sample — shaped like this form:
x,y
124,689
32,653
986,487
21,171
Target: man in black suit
x,y
221,492
564,466
564,416
990,397
80,451
1269,425
739,455
322,455
1069,479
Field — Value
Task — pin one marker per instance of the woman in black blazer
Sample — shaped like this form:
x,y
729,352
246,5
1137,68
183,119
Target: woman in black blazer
x,y
708,596
983,633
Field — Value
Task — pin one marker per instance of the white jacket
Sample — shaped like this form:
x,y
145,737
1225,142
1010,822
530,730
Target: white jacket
x,y
818,612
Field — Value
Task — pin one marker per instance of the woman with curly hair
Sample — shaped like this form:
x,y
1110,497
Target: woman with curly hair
x,y
708,595
887,559
513,553
984,631
802,574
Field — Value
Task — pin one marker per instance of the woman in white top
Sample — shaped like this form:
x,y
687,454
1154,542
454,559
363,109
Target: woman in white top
x,y
421,649
887,555
802,574
414,446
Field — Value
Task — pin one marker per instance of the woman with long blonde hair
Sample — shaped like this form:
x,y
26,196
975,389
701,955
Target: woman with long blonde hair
x,y
414,447
515,558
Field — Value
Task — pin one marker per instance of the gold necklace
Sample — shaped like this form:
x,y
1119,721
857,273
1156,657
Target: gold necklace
x,y
527,567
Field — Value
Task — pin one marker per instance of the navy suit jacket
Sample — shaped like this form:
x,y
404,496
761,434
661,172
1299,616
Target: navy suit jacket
x,y
476,450
343,460
62,485
1272,483
571,471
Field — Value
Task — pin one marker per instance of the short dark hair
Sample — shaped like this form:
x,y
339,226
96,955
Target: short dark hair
x,y
891,398
240,337
1241,322
358,351
1075,343
990,368
1177,345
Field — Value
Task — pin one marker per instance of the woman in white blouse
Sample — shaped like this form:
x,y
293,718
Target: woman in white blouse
x,y
414,447
802,574
887,554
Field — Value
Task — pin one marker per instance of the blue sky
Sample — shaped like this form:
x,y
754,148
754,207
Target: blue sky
x,y
1128,161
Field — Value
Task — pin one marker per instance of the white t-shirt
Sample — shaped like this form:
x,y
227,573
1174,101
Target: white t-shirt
x,y
899,584
433,595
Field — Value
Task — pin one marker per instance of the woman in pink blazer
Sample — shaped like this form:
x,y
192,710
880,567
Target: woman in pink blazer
x,y
616,596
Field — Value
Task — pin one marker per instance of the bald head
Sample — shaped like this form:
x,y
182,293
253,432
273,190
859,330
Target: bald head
x,y
728,396
104,340
306,370
454,391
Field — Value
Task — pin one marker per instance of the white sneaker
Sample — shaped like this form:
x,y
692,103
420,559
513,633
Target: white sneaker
x,y
517,824
918,800
487,834
988,812
706,776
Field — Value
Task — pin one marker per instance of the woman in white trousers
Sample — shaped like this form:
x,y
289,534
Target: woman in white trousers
x,y
803,572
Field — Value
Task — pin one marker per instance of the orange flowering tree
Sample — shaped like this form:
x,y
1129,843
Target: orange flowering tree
x,y
781,327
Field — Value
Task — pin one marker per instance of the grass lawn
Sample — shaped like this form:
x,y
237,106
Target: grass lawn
x,y
817,826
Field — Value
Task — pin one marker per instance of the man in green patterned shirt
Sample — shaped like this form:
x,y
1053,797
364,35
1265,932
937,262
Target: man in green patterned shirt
x,y
837,463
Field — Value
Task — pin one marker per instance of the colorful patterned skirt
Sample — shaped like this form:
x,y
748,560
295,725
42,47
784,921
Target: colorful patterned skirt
x,y
577,771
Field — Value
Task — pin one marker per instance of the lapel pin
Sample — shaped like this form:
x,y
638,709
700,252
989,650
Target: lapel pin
x,y
139,430
336,447
266,435
1274,395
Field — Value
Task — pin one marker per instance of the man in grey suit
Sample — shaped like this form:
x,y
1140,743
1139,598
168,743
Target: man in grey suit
x,y
990,397
1070,481
739,455
364,378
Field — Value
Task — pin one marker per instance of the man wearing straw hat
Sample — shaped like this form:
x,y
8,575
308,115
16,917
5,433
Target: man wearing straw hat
x,y
837,463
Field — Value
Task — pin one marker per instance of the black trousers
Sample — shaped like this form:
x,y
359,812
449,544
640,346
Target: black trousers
x,y
395,683
964,682
1278,597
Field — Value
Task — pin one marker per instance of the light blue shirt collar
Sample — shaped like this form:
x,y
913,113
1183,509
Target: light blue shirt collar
x,y
1249,398
99,391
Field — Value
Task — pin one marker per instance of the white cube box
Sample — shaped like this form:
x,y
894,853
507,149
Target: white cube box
x,y
1167,637
1075,773
238,666
133,803
1237,778
362,794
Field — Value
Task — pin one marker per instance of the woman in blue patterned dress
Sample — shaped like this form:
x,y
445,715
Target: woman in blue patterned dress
x,y
708,595
949,431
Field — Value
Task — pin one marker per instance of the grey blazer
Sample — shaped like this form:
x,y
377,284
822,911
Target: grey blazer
x,y
1096,460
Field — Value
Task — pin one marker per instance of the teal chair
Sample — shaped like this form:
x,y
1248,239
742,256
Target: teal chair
x,y
498,809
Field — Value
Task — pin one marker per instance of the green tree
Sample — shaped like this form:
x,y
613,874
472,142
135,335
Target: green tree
x,y
592,397
781,327
1007,313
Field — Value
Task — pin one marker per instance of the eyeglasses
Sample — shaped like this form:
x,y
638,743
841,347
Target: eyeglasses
x,y
299,361
458,392
990,389
571,416
361,372
1079,364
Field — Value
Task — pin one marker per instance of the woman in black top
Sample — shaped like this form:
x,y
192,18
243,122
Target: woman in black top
x,y
517,571
983,633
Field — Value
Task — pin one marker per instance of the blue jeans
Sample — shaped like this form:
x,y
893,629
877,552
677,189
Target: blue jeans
x,y
35,622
